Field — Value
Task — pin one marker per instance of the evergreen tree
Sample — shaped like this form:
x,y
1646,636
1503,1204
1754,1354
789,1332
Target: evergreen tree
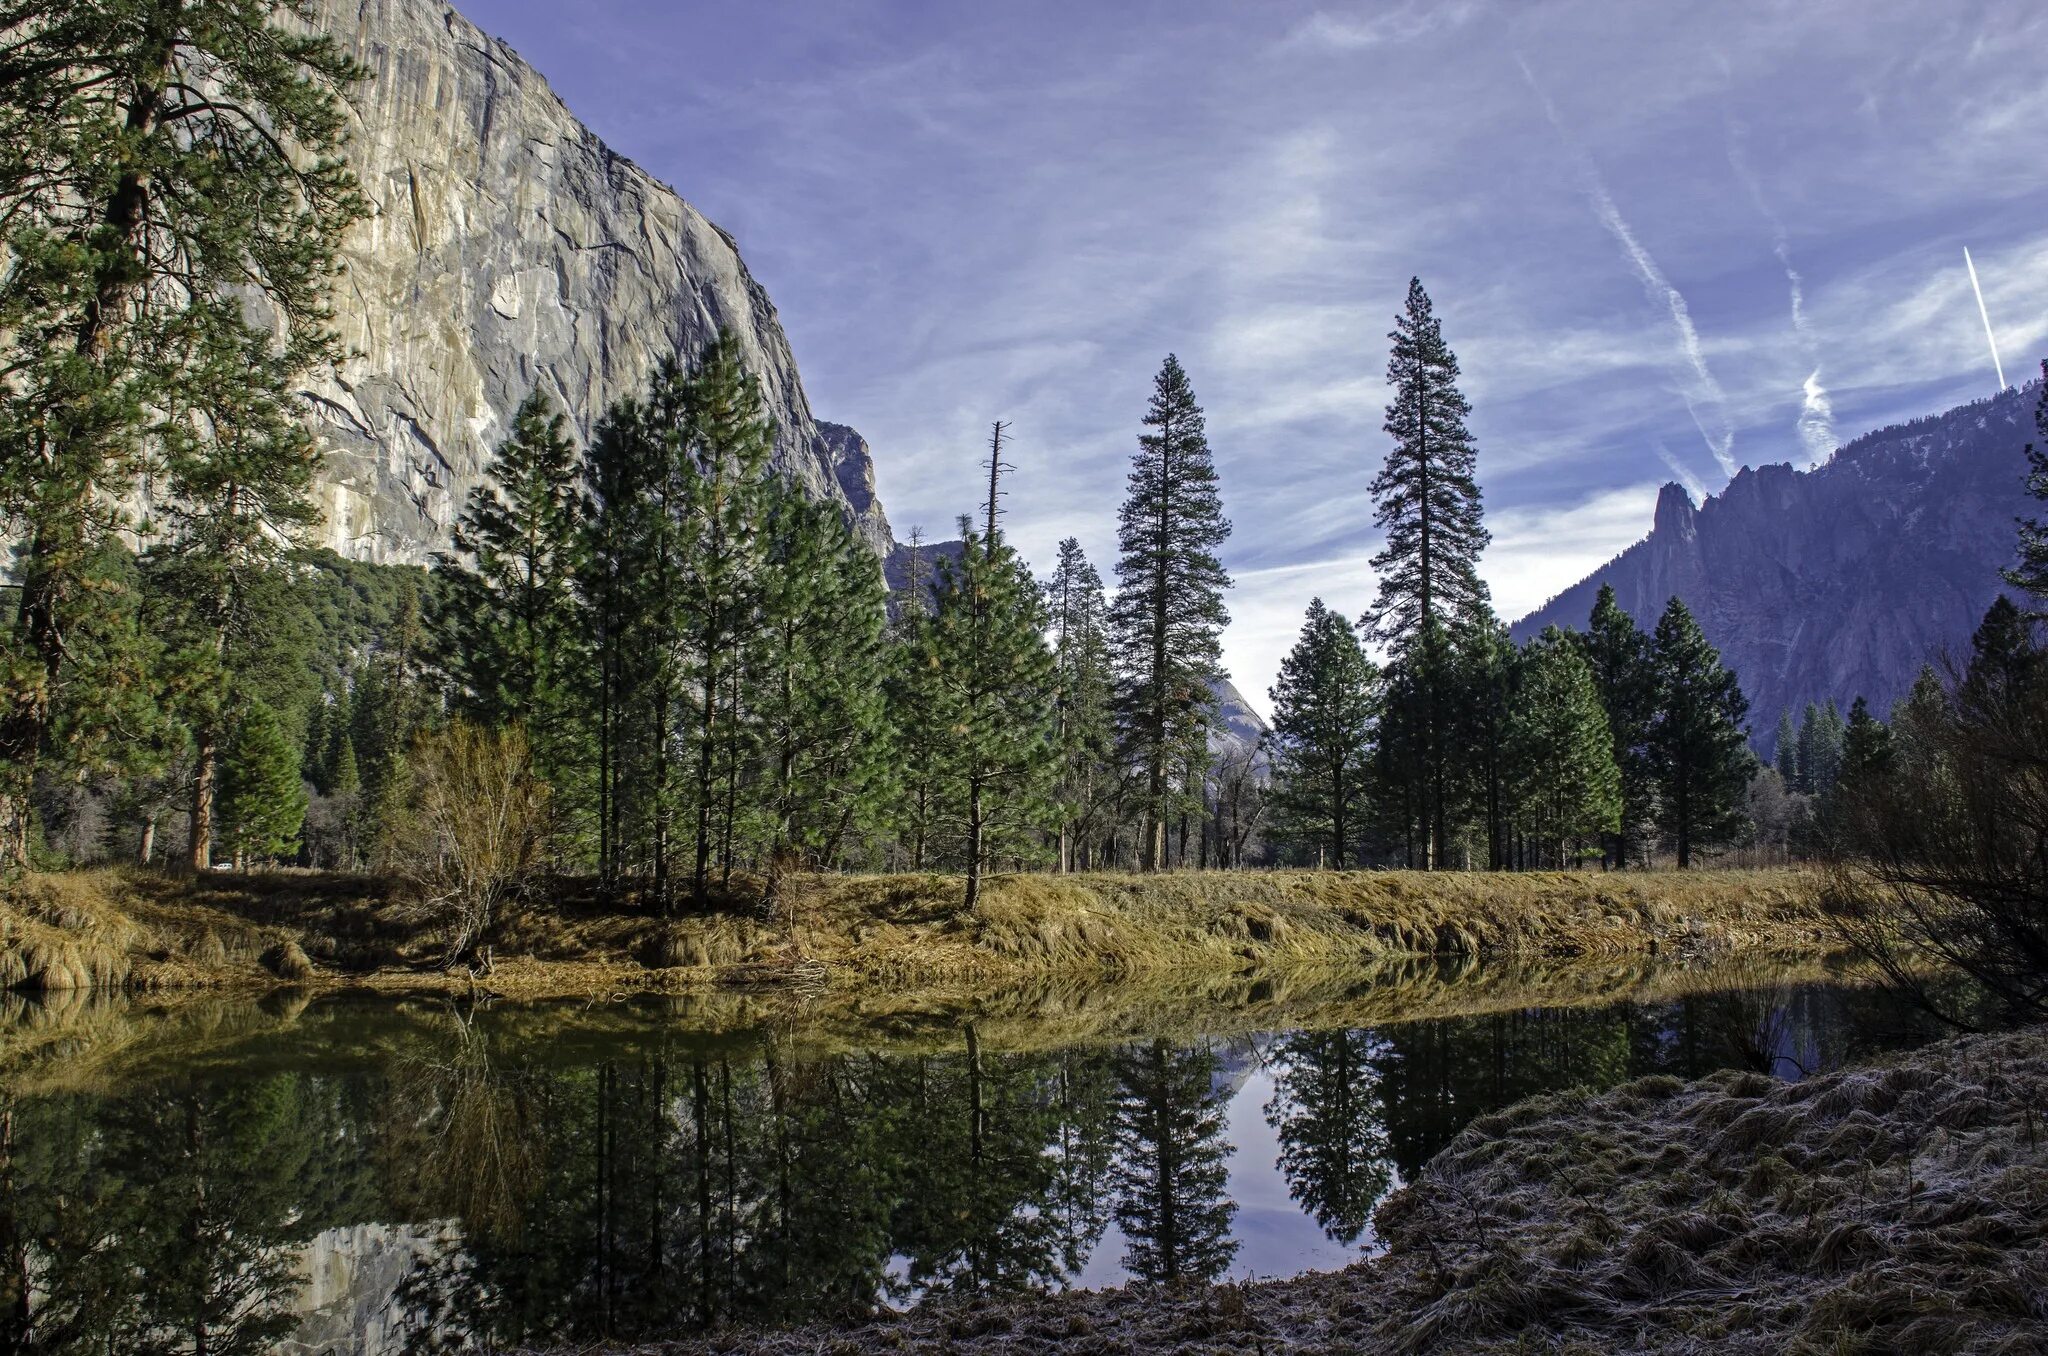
x,y
912,690
510,607
1698,744
1626,677
1787,751
1820,748
1427,501
1324,707
994,694
263,799
1074,597
1866,749
2004,653
819,688
1563,750
1481,684
2031,573
174,203
718,582
1169,612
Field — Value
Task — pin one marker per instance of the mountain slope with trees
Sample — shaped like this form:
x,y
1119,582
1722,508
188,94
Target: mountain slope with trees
x,y
1839,581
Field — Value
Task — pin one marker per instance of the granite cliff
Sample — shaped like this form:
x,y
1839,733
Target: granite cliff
x,y
510,248
1840,581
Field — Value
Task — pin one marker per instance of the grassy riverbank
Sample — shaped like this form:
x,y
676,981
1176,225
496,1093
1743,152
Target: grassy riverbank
x,y
140,930
1897,1207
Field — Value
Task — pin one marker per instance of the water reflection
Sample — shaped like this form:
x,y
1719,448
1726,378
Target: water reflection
x,y
536,1180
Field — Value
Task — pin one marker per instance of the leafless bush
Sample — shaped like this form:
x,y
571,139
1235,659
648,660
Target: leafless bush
x,y
481,821
1945,855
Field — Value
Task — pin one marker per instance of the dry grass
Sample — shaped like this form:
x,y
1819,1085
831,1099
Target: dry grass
x,y
1901,1207
115,928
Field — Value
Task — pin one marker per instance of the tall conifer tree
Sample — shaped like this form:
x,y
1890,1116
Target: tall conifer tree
x,y
993,699
169,162
1427,497
1619,654
1169,613
1074,597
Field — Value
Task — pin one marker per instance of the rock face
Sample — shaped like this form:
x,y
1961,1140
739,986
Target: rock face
x,y
510,249
1841,581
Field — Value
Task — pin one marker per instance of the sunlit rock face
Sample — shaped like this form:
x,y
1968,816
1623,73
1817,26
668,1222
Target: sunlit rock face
x,y
1843,580
349,1280
509,248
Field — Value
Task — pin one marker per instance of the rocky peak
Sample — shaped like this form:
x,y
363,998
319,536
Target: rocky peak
x,y
1675,512
1840,581
508,248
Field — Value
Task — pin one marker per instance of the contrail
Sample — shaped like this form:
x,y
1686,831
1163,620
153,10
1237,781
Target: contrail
x,y
1995,363
1816,412
1655,285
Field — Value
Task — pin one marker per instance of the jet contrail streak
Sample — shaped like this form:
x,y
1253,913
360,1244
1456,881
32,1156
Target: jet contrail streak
x,y
1995,363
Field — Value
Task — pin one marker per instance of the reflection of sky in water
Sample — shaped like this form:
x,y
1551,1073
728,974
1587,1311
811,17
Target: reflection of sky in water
x,y
866,1156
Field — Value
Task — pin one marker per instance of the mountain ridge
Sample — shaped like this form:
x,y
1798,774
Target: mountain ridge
x,y
1841,580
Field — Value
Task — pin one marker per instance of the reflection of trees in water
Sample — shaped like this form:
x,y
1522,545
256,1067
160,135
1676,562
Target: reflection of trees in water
x,y
170,1220
1171,1176
1333,1138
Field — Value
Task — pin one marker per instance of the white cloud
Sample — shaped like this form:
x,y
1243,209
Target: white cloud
x,y
1355,32
1537,553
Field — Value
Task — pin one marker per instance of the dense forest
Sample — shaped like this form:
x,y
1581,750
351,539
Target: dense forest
x,y
653,663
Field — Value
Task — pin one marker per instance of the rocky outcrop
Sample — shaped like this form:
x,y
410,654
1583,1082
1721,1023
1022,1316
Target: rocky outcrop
x,y
1844,580
509,248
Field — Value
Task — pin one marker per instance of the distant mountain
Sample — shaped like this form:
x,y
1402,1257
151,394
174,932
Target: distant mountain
x,y
1839,581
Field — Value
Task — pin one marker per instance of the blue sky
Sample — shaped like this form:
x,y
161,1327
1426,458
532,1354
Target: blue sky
x,y
1666,241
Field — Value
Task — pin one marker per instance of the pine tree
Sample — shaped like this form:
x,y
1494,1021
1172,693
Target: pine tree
x,y
510,606
912,691
818,689
994,692
1324,707
1428,503
1699,746
719,582
150,221
1866,749
1479,687
2004,652
2031,573
1075,599
1787,751
1563,751
1168,614
1820,748
263,800
1619,654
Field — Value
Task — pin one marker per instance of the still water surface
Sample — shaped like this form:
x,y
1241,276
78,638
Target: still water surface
x,y
413,1177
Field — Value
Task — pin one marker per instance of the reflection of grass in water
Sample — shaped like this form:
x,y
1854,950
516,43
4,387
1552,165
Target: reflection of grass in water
x,y
104,1041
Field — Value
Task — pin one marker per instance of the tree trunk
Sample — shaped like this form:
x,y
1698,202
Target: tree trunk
x,y
205,761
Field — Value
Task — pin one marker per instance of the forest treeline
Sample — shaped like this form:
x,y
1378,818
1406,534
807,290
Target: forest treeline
x,y
652,660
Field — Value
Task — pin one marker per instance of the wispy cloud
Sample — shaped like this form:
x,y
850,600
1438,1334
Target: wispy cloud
x,y
1330,32
1816,413
1704,398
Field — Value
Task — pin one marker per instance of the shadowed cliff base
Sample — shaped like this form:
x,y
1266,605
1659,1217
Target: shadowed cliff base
x,y
141,931
1897,1207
